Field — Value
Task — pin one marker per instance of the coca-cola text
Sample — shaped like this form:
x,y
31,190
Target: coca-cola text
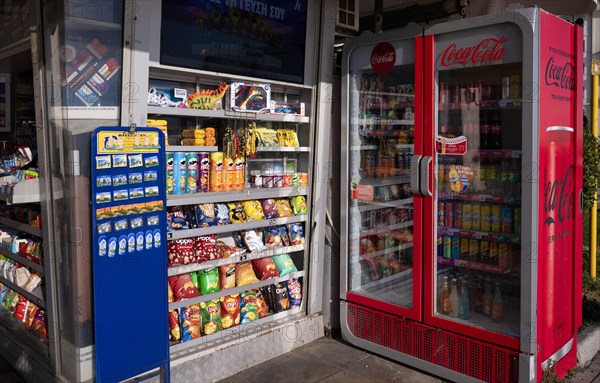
x,y
486,51
560,76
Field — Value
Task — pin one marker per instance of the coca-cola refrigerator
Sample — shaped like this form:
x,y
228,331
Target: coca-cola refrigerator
x,y
461,196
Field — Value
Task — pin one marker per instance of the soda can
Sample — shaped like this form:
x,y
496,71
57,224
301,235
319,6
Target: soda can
x,y
507,220
515,87
464,248
440,245
191,162
493,257
505,88
441,214
203,172
484,251
447,246
450,214
455,94
467,216
503,255
458,215
486,218
476,217
179,173
496,219
170,172
474,250
517,220
455,247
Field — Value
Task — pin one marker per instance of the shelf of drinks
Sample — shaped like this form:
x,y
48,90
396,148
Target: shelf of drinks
x,y
476,266
191,233
404,274
300,149
182,148
376,93
474,234
376,147
25,227
188,112
375,205
234,290
268,252
506,199
485,105
235,195
357,258
24,259
498,153
385,133
509,325
386,181
382,121
34,296
386,229
207,342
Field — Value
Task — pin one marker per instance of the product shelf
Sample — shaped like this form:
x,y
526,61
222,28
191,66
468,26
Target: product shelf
x,y
187,112
183,148
234,333
505,199
23,192
23,259
235,290
364,147
190,233
386,229
357,258
509,325
235,195
301,149
392,278
27,228
488,153
485,105
381,121
474,234
475,266
269,252
386,181
34,296
372,205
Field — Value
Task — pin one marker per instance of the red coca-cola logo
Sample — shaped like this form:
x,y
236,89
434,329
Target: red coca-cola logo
x,y
486,51
383,58
560,76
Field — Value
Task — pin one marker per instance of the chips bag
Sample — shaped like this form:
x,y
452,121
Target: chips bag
x,y
33,309
170,297
206,249
205,215
261,305
253,241
211,316
190,216
253,210
38,325
222,214
269,208
183,287
267,294
285,264
227,276
285,238
283,207
294,291
265,268
191,322
230,311
209,281
296,234
174,330
299,204
280,298
177,219
249,310
244,275
181,252
236,213
272,237
21,309
194,276
238,238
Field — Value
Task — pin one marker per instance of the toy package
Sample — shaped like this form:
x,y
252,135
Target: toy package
x,y
250,96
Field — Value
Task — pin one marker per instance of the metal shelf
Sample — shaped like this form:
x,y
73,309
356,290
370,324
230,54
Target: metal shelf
x,y
474,234
33,296
269,252
27,228
235,195
187,112
23,192
386,229
475,265
364,147
386,181
505,199
181,148
391,278
369,206
190,233
380,121
282,149
356,258
23,260
235,290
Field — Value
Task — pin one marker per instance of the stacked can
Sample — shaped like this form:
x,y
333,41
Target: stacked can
x,y
179,173
216,172
203,172
239,174
170,173
191,180
229,174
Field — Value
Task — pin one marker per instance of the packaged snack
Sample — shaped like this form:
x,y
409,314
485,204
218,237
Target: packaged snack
x,y
294,291
244,274
272,237
267,294
269,208
249,310
190,216
206,249
194,276
236,213
238,238
211,316
191,322
9,303
285,264
230,311
226,251
176,219
265,268
296,234
299,204
222,214
227,276
181,252
253,241
285,238
262,307
33,309
183,287
284,208
170,297
21,309
205,215
209,281
174,330
253,210
280,298
38,325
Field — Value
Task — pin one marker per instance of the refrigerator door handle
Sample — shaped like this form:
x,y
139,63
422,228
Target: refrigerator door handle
x,y
581,200
414,173
424,176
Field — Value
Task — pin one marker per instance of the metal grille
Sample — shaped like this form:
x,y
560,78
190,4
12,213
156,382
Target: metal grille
x,y
456,352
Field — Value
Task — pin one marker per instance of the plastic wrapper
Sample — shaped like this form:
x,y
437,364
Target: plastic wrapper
x,y
284,208
280,298
9,303
269,208
238,238
170,296
249,308
211,316
237,213
222,214
226,251
253,210
227,276
191,322
181,252
33,282
31,311
195,281
206,248
190,216
230,311
21,277
262,308
253,241
285,238
273,237
183,287
209,281
285,264
38,325
294,292
244,274
174,329
265,268
267,294
299,204
21,309
296,234
176,219
205,215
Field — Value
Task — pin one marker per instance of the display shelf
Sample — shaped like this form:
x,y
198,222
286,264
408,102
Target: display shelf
x,y
269,252
34,296
234,290
25,227
190,233
474,234
381,121
373,205
475,266
485,105
392,278
376,93
235,195
488,153
23,192
509,325
382,133
187,112
182,148
405,146
506,199
235,332
357,258
364,147
386,229
385,181
24,260
282,149
87,23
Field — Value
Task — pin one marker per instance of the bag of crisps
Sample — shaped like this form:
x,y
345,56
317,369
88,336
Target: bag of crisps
x,y
299,204
244,275
174,330
285,264
230,311
265,268
209,281
249,310
211,316
191,321
284,208
227,276
237,213
253,210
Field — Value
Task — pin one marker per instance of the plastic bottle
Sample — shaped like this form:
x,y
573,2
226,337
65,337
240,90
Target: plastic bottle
x,y
487,299
479,298
454,300
497,304
445,297
463,310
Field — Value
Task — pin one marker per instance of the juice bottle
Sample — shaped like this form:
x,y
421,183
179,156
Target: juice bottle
x,y
445,297
463,310
487,299
479,298
497,304
454,300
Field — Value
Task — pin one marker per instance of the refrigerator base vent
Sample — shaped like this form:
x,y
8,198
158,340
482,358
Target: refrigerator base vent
x,y
458,353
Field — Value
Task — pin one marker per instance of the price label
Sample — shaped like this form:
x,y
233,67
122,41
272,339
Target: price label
x,y
243,257
478,236
272,221
169,235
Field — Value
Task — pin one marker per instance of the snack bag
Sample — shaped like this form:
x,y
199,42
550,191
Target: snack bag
x,y
206,250
249,310
227,276
209,281
261,305
294,291
269,208
285,264
253,210
230,311
181,252
21,309
265,268
236,213
273,237
284,208
267,293
280,298
174,330
296,234
205,215
33,309
190,216
299,204
253,241
195,281
183,287
285,238
226,251
170,296
211,316
244,275
38,325
222,214
178,220
238,238
191,322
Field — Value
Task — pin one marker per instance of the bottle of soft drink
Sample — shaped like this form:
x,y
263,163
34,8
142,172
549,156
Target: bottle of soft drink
x,y
484,131
487,299
479,298
515,177
454,299
505,178
463,310
497,304
445,297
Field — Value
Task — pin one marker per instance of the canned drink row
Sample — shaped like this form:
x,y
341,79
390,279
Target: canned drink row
x,y
385,217
477,91
479,217
504,255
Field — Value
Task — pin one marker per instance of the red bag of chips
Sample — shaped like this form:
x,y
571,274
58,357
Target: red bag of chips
x,y
33,309
265,268
227,276
183,287
230,311
21,309
244,275
206,249
181,252
174,330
